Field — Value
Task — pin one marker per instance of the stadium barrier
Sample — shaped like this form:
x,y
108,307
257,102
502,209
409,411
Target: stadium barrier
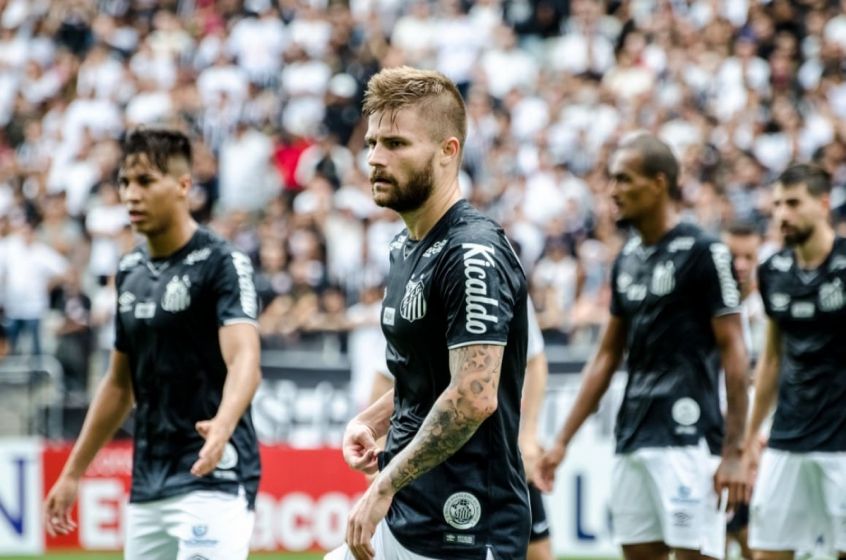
x,y
306,491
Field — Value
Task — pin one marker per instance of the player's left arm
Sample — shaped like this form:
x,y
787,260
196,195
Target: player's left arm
x,y
534,388
468,400
722,295
728,332
239,345
458,412
236,303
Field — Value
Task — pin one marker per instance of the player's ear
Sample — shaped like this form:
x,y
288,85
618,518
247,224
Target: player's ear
x,y
825,202
663,186
185,184
450,151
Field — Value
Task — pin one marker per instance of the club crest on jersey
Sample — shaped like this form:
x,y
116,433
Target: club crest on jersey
x,y
663,279
477,258
462,510
413,305
177,297
831,296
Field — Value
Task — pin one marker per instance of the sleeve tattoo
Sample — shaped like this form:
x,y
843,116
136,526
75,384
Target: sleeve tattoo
x,y
456,415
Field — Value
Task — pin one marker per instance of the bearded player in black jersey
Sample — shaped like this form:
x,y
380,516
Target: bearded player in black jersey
x,y
675,314
800,491
187,357
451,483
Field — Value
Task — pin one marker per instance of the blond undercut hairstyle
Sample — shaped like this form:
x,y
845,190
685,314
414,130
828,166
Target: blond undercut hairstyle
x,y
428,91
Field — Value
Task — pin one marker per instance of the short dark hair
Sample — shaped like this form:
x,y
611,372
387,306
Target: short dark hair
x,y
815,178
656,157
743,228
160,145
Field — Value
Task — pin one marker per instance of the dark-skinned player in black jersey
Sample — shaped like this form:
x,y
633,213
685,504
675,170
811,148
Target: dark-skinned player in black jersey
x,y
451,483
675,314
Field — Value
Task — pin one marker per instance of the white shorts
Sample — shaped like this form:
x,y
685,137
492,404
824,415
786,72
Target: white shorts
x,y
798,499
203,524
666,494
386,547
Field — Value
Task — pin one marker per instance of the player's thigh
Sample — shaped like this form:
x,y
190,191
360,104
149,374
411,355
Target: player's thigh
x,y
682,477
211,525
540,549
146,536
831,468
540,524
646,551
385,547
634,504
782,515
714,517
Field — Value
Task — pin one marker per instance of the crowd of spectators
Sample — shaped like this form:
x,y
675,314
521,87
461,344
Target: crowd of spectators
x,y
271,92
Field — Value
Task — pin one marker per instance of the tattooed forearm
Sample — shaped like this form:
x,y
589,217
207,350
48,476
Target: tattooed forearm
x,y
455,416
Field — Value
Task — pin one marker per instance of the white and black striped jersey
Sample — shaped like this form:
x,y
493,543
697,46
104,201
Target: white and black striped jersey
x,y
460,285
169,312
667,294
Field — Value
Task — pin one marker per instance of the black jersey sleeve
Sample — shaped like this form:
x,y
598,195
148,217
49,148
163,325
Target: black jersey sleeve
x,y
120,343
479,279
234,289
616,306
714,271
764,286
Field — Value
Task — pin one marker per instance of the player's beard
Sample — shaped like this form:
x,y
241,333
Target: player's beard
x,y
795,236
412,194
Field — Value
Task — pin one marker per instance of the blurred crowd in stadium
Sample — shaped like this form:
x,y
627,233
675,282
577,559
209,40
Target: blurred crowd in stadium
x,y
271,91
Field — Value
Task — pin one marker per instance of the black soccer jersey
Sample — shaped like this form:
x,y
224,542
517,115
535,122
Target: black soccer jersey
x,y
667,295
460,285
168,316
809,307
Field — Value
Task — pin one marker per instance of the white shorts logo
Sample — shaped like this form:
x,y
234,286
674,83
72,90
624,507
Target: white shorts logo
x,y
686,411
229,458
462,510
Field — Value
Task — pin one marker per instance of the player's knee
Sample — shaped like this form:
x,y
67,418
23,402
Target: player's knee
x,y
772,555
646,551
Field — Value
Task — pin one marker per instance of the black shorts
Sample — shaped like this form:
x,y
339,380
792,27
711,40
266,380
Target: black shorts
x,y
739,520
540,526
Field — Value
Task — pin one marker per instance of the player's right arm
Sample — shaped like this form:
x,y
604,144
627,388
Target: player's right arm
x,y
766,393
595,380
359,446
108,410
